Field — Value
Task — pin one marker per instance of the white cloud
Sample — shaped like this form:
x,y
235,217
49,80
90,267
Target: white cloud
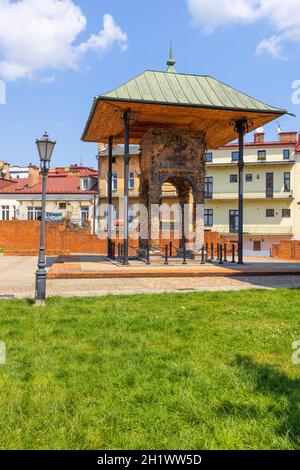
x,y
272,46
212,14
38,35
282,16
111,33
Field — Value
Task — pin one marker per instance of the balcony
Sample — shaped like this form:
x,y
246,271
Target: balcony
x,y
230,163
252,195
256,230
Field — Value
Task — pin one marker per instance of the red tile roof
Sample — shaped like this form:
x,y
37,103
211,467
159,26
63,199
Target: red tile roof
x,y
56,184
75,169
4,183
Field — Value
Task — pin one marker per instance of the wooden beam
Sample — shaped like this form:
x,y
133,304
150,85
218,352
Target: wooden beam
x,y
107,120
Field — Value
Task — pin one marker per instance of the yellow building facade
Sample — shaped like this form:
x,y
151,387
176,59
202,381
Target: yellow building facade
x,y
271,191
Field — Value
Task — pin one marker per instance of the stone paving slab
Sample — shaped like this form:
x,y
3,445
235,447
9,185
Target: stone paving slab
x,y
102,287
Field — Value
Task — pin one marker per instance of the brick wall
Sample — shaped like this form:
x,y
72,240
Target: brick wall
x,y
23,238
287,249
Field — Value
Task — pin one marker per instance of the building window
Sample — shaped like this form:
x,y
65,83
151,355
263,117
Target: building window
x,y
270,213
286,213
209,157
269,184
256,245
84,215
233,179
15,212
208,187
114,181
62,205
286,154
287,181
131,213
131,181
233,221
34,213
261,154
85,184
5,212
115,212
114,215
235,156
208,217
249,178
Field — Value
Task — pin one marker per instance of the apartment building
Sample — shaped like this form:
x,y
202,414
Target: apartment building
x,y
71,196
17,172
271,189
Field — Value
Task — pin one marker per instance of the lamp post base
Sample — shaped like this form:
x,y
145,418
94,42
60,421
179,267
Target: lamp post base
x,y
40,285
39,303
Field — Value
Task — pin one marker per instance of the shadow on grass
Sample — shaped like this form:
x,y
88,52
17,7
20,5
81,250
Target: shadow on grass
x,y
268,380
29,301
238,410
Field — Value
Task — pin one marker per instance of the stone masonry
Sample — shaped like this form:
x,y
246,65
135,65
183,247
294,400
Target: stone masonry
x,y
174,155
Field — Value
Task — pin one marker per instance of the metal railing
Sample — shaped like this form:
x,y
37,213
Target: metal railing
x,y
255,230
249,195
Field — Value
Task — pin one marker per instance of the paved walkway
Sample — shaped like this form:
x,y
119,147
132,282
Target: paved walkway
x,y
89,267
17,279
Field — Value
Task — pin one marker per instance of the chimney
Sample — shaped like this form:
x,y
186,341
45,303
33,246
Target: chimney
x,y
6,171
259,136
101,147
73,170
288,137
33,176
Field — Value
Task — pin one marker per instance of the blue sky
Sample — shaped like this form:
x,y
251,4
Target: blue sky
x,y
252,52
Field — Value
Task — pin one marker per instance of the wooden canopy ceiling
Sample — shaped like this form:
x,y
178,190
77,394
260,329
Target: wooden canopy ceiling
x,y
106,119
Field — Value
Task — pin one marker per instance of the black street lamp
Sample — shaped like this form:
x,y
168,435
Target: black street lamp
x,y
45,148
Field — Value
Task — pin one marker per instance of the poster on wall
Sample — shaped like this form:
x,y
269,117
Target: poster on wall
x,y
54,217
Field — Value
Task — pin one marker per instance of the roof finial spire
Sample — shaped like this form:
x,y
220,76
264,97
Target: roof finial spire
x,y
171,62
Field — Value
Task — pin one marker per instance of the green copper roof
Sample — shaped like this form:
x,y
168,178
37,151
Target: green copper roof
x,y
189,90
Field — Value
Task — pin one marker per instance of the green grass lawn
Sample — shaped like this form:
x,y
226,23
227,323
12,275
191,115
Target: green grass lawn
x,y
182,371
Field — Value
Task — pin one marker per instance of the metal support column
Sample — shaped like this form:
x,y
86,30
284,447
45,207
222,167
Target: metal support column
x,y
109,197
241,127
126,183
